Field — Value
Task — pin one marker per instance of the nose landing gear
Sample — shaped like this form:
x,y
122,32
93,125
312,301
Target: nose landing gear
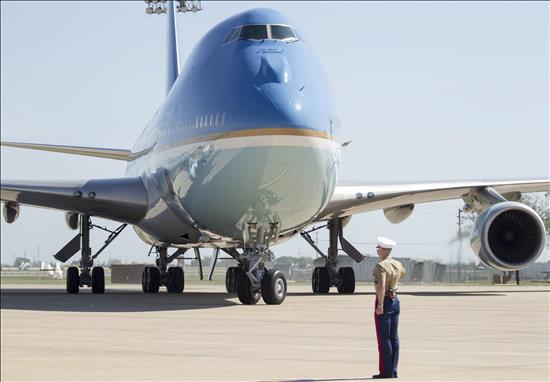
x,y
251,280
248,293
272,287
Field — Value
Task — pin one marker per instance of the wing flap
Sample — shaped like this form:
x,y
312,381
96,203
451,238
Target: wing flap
x,y
350,200
120,199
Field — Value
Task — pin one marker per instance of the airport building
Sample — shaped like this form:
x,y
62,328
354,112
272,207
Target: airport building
x,y
418,271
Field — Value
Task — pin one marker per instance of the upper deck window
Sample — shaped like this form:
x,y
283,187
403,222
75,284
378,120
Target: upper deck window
x,y
253,32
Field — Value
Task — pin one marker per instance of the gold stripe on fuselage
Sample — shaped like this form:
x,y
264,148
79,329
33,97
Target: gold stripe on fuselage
x,y
282,131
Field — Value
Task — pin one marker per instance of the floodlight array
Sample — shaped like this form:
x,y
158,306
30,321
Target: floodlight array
x,y
188,6
159,6
155,7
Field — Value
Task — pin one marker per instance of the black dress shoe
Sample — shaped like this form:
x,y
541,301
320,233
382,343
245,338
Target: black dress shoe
x,y
380,376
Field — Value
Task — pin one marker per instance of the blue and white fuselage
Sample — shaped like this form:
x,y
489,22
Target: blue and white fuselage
x,y
245,140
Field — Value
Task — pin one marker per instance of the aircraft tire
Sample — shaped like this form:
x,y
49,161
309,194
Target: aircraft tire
x,y
154,279
320,280
246,295
346,282
231,277
98,280
176,280
274,287
73,280
315,280
145,280
150,280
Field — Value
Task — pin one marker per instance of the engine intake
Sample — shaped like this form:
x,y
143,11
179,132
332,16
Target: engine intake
x,y
508,236
10,212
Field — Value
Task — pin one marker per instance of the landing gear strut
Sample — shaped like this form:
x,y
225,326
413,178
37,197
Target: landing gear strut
x,y
89,275
154,277
329,275
251,280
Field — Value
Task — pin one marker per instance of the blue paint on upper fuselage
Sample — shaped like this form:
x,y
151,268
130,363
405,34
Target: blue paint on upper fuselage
x,y
244,84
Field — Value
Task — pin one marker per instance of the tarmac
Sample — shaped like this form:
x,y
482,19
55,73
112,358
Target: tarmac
x,y
492,333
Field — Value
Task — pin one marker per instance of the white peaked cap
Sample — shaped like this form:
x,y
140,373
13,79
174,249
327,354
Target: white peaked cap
x,y
384,242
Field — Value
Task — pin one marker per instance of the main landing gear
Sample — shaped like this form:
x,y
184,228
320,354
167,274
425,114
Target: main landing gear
x,y
172,278
329,275
85,274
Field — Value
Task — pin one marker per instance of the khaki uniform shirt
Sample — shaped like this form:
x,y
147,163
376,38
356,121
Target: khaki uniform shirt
x,y
388,271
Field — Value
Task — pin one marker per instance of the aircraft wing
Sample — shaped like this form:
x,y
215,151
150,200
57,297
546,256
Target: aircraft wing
x,y
118,154
350,200
120,199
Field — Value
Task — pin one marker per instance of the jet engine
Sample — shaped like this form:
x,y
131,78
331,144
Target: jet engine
x,y
10,212
71,219
396,215
508,236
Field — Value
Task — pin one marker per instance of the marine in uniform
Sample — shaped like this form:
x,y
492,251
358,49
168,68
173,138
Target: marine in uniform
x,y
386,274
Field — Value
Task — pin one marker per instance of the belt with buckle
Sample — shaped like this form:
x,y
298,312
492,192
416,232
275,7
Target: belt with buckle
x,y
391,293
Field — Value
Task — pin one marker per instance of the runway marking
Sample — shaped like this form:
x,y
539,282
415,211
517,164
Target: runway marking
x,y
271,345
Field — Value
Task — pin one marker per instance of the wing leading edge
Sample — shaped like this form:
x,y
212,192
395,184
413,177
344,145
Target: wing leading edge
x,y
120,199
118,154
350,200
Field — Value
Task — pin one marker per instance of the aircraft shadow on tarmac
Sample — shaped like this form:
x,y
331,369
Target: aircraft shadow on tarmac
x,y
432,293
112,301
134,301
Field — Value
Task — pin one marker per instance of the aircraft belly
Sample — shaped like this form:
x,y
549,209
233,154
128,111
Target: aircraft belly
x,y
226,184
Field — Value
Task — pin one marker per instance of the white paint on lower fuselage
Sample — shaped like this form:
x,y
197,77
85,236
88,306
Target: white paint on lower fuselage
x,y
223,184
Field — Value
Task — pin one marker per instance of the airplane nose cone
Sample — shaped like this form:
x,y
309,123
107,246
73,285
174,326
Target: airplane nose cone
x,y
289,106
274,67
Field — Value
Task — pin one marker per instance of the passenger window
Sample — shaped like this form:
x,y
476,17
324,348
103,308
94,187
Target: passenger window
x,y
253,32
282,32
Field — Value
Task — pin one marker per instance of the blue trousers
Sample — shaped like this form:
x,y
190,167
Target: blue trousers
x,y
388,338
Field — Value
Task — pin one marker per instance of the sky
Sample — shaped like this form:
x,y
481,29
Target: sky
x,y
428,91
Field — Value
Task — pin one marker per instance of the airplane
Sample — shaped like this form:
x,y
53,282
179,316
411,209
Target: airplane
x,y
54,273
242,155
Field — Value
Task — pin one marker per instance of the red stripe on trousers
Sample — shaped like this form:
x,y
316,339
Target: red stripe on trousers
x,y
380,363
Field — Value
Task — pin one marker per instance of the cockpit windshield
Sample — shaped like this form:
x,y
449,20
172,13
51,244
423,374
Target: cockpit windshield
x,y
262,32
282,32
253,32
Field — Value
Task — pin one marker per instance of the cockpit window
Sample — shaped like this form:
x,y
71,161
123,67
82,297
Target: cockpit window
x,y
282,32
233,35
253,32
262,32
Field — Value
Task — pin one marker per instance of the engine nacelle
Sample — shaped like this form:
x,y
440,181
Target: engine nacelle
x,y
508,236
10,211
396,215
72,220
